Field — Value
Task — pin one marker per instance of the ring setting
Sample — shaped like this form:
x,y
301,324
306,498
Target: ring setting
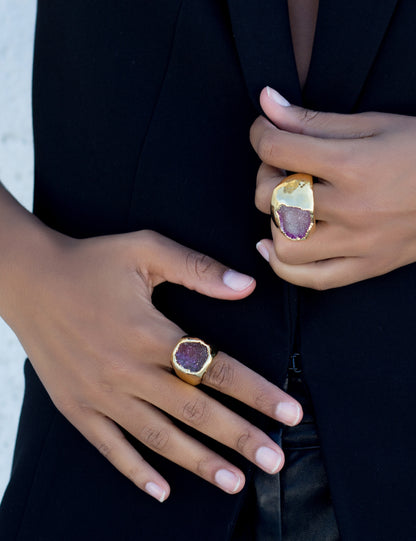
x,y
292,206
191,358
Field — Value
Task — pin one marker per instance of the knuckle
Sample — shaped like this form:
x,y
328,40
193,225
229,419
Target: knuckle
x,y
321,282
65,406
196,412
345,158
114,370
341,158
106,387
258,199
147,237
221,374
262,197
263,174
318,284
308,115
243,441
266,148
366,243
202,467
133,474
113,364
255,129
262,400
105,449
198,264
70,408
155,438
284,252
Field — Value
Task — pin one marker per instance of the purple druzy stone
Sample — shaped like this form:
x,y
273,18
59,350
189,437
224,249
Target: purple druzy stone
x,y
294,222
191,356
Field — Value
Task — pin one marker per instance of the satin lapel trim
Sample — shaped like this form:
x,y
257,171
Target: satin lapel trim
x,y
262,35
347,39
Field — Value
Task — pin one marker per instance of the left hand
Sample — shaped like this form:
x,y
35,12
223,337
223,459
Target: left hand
x,y
365,200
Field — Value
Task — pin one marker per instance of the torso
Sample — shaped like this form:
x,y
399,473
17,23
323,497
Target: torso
x,y
303,15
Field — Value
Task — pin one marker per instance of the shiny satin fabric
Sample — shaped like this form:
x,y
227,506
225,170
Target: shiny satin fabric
x,y
294,505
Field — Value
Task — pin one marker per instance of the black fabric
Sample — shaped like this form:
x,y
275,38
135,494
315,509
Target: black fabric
x,y
141,120
294,505
307,511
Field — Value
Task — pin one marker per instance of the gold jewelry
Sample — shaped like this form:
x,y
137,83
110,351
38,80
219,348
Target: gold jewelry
x,y
292,206
191,359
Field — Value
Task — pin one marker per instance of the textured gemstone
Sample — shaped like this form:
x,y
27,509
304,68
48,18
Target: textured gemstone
x,y
192,356
294,222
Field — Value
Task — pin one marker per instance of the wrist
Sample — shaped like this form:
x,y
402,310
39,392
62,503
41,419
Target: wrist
x,y
25,246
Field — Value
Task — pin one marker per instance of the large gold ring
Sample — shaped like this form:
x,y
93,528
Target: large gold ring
x,y
191,359
292,206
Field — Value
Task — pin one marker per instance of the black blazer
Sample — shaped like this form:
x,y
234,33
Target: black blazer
x,y
141,118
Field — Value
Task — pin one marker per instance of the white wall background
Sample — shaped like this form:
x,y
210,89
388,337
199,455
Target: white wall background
x,y
17,19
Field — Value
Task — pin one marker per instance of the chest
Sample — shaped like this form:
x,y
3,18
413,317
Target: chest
x,y
302,16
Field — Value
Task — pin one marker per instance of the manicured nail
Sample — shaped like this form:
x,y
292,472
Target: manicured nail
x,y
156,491
276,97
268,459
263,251
288,413
236,280
228,480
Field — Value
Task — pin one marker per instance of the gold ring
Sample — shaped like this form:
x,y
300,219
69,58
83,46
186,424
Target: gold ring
x,y
292,206
191,359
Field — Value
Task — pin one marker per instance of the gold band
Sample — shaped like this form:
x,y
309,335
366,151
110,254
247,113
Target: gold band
x,y
191,358
292,206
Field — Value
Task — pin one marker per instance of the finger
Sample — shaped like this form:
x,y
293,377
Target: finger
x,y
156,431
319,124
320,275
324,158
196,409
269,177
327,241
224,374
230,377
111,443
165,260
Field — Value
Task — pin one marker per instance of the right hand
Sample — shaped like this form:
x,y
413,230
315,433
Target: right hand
x,y
102,351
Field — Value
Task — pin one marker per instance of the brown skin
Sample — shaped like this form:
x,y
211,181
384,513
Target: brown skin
x,y
82,310
302,16
365,203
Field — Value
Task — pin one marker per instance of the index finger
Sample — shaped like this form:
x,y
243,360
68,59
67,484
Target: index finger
x,y
233,378
319,157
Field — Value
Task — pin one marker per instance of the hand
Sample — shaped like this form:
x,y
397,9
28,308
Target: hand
x,y
102,351
365,199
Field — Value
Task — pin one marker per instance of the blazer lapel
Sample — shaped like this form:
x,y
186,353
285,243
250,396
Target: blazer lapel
x,y
347,38
264,44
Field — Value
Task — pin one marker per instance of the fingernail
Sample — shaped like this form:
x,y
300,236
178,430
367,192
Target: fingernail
x,y
156,491
228,480
236,281
276,97
268,459
288,413
263,251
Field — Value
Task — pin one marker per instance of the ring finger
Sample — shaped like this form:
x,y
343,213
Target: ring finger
x,y
327,241
195,408
269,177
148,425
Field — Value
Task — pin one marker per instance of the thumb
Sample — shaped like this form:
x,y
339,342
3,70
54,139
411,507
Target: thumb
x,y
317,124
163,260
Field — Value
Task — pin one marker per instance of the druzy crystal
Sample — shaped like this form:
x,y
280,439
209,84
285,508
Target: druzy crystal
x,y
294,222
192,356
